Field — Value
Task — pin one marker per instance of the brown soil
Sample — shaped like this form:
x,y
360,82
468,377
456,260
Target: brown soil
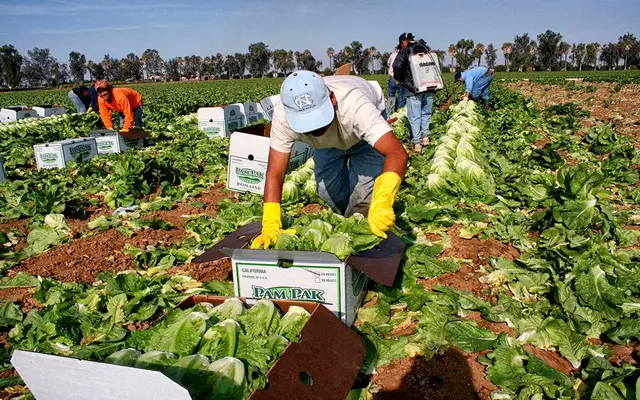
x,y
476,250
313,208
22,296
208,271
453,375
621,109
82,259
622,354
479,252
495,327
552,358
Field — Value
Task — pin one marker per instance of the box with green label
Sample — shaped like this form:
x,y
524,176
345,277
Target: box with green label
x,y
249,156
109,141
59,154
307,276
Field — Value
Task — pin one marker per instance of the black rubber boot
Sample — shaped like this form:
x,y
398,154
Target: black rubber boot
x,y
485,103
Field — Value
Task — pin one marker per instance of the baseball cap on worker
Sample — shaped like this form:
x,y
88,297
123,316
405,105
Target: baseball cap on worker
x,y
306,101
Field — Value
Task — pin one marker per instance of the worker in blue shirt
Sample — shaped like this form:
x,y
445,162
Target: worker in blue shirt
x,y
84,98
477,83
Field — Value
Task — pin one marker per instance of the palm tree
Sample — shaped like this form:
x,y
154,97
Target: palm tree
x,y
330,53
91,64
479,50
564,50
452,53
534,50
507,48
372,53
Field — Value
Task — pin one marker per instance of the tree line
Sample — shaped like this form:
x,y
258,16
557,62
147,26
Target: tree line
x,y
40,69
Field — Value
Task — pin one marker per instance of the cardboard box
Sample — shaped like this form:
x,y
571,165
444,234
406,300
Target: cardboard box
x,y
59,154
329,352
219,121
15,113
268,104
249,156
317,277
252,112
49,110
3,174
109,141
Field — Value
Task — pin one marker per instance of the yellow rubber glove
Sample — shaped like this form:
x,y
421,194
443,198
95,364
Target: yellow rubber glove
x,y
271,227
381,215
124,130
89,110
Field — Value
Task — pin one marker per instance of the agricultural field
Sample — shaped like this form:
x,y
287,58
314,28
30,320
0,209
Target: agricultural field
x,y
520,280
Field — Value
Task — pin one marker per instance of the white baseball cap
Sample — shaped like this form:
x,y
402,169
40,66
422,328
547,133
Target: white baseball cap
x,y
306,101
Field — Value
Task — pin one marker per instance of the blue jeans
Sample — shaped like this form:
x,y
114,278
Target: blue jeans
x,y
346,177
77,102
393,88
419,110
137,117
481,87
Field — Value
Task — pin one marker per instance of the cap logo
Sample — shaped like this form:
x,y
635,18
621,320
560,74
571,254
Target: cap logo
x,y
303,101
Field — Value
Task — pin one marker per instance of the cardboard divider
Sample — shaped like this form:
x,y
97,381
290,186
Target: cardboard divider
x,y
380,263
328,351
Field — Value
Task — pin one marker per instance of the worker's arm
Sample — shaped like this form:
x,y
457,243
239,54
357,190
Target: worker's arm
x,y
468,83
395,156
127,110
271,214
276,170
381,215
105,114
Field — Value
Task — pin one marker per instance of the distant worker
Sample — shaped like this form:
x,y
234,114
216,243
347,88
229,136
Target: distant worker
x,y
419,105
126,102
477,84
84,98
359,162
395,87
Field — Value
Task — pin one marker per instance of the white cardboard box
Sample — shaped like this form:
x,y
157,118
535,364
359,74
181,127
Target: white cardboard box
x,y
109,142
268,104
309,276
252,112
59,154
47,111
248,160
221,122
3,174
15,113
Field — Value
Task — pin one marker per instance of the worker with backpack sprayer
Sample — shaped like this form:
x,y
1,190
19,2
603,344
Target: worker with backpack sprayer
x,y
419,73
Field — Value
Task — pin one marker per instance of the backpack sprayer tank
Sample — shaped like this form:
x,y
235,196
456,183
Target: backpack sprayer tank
x,y
425,68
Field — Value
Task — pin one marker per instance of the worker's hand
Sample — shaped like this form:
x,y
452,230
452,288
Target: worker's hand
x,y
124,130
271,227
89,110
465,96
381,215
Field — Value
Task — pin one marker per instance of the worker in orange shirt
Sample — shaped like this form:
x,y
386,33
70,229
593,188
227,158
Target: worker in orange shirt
x,y
126,102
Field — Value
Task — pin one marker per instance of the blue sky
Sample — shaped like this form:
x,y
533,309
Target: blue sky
x,y
186,27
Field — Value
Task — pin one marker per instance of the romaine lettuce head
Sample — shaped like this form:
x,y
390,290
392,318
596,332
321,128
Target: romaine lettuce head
x,y
229,378
155,360
125,357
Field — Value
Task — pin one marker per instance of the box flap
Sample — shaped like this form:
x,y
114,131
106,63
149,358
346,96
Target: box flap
x,y
135,134
210,114
329,352
62,378
250,147
381,263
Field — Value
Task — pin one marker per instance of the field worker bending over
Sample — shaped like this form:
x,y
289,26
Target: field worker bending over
x,y
84,98
359,162
127,102
477,83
